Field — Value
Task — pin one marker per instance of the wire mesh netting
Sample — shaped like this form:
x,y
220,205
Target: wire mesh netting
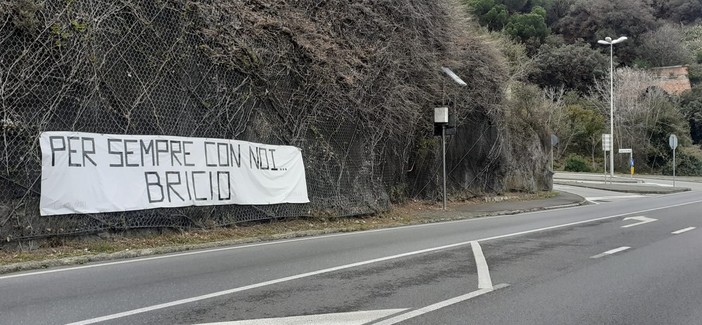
x,y
350,83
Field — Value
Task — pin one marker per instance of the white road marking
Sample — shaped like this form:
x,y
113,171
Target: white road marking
x,y
213,250
611,251
484,280
439,305
614,197
642,220
347,266
661,184
351,318
678,232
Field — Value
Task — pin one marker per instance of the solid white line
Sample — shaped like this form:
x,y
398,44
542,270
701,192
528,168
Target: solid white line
x,y
682,230
611,251
437,306
286,241
484,280
347,266
277,242
596,198
349,318
258,285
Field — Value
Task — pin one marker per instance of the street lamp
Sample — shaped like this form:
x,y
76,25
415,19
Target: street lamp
x,y
610,42
441,117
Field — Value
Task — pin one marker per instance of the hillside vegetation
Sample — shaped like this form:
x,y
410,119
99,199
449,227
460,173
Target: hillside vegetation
x,y
553,45
353,84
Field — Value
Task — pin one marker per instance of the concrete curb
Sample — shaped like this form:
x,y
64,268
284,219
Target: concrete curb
x,y
617,180
627,188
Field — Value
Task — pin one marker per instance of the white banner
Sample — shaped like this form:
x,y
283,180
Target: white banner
x,y
93,173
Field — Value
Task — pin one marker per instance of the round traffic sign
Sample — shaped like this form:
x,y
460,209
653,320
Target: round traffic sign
x,y
673,141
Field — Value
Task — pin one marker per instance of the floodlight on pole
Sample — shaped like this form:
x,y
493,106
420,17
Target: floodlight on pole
x,y
453,76
610,42
441,117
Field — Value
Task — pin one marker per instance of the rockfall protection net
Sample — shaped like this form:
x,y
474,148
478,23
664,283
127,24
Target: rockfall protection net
x,y
154,68
350,83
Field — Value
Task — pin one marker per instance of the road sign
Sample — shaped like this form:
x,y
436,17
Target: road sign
x,y
606,142
625,151
554,140
673,141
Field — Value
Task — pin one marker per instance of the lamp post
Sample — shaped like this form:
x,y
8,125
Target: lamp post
x,y
610,42
441,116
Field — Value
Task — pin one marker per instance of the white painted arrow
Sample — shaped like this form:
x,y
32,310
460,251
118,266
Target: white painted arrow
x,y
352,318
642,220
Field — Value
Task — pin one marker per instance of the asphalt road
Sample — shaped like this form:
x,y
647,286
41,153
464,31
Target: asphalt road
x,y
584,265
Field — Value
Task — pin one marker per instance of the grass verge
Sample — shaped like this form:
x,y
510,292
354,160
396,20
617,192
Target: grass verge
x,y
105,246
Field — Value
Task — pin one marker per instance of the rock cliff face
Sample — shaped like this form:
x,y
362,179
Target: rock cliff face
x,y
352,83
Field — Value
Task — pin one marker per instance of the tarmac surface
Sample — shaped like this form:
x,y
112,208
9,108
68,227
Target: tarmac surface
x,y
561,200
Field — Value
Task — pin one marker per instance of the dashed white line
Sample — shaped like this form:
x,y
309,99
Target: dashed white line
x,y
484,280
611,251
678,232
287,241
327,270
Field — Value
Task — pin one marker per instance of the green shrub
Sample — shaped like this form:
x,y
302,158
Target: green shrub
x,y
577,163
695,74
688,162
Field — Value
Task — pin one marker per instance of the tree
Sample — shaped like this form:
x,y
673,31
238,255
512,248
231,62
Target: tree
x,y
491,15
678,11
664,47
496,18
596,19
557,10
518,61
574,67
481,7
528,28
577,122
693,40
587,125
515,5
644,115
691,107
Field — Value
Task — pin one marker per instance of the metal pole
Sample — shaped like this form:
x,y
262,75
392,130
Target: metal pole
x,y
443,155
605,166
611,108
673,167
551,156
631,160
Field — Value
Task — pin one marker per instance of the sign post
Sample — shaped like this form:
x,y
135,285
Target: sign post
x,y
441,118
673,142
554,141
631,159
